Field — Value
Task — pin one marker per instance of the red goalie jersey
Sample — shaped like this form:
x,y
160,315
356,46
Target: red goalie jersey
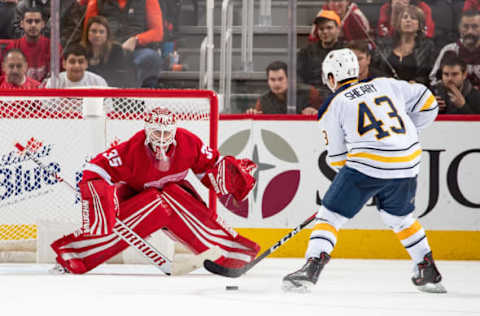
x,y
142,182
134,163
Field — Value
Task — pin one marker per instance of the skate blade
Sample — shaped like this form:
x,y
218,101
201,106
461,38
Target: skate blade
x,y
297,287
432,288
57,269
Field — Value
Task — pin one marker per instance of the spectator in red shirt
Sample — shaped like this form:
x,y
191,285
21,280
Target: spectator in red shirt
x,y
354,24
390,10
15,68
471,5
137,25
34,45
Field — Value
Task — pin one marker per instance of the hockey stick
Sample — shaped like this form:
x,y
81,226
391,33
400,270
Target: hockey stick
x,y
236,272
124,232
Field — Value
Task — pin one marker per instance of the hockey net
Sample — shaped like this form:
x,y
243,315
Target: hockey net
x,y
65,129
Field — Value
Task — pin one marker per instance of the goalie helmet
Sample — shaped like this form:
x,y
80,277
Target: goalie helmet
x,y
160,128
342,64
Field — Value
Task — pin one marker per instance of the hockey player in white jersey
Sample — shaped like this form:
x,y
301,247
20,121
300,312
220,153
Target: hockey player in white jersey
x,y
371,131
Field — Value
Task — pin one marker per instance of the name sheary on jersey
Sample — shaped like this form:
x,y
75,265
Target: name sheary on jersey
x,y
361,90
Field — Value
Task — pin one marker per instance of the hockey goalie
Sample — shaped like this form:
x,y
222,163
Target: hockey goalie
x,y
142,183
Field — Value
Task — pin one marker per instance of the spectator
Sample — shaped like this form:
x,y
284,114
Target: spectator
x,y
471,5
392,8
274,101
409,54
67,16
455,94
354,24
309,59
43,7
75,62
33,44
15,72
8,10
137,25
106,57
362,50
467,48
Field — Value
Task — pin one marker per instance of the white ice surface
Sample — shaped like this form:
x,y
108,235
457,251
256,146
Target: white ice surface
x,y
345,287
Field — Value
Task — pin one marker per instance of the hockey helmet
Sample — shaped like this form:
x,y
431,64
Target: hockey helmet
x,y
160,128
342,64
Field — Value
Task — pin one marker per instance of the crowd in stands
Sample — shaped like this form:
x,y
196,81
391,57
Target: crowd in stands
x,y
401,45
116,40
122,43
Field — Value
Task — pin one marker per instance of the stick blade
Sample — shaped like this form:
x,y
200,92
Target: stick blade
x,y
224,271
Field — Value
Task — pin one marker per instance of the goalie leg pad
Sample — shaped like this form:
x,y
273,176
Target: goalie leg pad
x,y
198,228
145,213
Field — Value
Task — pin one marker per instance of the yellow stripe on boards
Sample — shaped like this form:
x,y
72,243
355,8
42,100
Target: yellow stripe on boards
x,y
327,227
388,159
427,104
410,231
369,243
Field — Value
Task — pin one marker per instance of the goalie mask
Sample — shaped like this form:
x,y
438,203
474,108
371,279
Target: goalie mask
x,y
160,128
342,64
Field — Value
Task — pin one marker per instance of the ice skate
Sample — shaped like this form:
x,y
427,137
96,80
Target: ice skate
x,y
302,280
58,269
426,276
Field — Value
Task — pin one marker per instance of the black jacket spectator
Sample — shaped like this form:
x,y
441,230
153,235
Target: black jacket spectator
x,y
7,19
415,67
471,95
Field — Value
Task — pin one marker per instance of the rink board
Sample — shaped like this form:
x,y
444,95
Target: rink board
x,y
292,178
448,197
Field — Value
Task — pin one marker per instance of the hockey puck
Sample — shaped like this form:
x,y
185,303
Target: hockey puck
x,y
231,288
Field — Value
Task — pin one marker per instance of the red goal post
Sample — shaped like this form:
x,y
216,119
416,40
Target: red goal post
x,y
67,128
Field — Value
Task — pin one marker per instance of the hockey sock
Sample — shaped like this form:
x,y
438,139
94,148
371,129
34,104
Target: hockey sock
x,y
414,240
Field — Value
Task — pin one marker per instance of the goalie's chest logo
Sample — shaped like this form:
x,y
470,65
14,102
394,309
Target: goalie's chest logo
x,y
278,173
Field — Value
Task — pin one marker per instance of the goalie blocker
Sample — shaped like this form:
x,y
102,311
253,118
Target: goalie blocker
x,y
179,211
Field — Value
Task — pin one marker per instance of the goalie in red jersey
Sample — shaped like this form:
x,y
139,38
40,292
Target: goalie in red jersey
x,y
142,182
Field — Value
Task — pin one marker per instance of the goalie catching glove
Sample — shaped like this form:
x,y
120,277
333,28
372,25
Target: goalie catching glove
x,y
231,176
99,207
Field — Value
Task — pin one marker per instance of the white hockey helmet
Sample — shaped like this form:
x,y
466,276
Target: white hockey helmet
x,y
160,128
342,64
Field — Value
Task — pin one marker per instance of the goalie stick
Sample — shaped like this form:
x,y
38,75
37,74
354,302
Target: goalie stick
x,y
236,272
122,230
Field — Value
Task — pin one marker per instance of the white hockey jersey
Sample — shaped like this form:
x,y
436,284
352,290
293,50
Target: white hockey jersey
x,y
372,126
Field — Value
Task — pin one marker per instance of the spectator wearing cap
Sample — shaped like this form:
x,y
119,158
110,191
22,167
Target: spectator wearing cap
x,y
309,59
354,24
14,67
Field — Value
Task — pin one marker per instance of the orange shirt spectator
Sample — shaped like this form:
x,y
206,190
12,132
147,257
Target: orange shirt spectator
x,y
154,20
